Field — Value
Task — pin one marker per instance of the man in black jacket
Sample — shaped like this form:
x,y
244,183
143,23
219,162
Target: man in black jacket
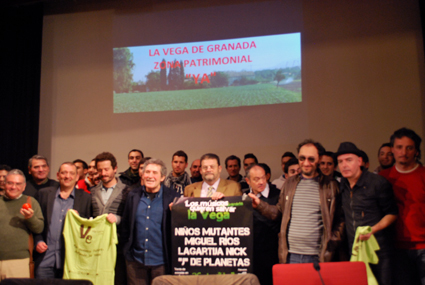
x,y
131,175
38,168
55,202
367,200
146,226
265,231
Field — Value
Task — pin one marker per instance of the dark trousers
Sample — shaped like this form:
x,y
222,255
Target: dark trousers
x,y
120,269
410,267
383,270
139,274
48,273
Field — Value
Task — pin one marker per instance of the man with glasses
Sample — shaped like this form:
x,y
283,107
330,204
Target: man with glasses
x,y
212,186
310,209
17,221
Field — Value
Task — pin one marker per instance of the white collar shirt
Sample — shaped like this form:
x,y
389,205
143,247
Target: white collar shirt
x,y
205,186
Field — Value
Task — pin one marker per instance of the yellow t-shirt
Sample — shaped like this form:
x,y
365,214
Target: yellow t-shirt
x,y
90,249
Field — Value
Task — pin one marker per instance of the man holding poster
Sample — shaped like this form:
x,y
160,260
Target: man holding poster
x,y
212,186
146,226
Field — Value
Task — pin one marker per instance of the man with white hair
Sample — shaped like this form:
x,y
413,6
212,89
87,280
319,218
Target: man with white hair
x,y
20,215
146,226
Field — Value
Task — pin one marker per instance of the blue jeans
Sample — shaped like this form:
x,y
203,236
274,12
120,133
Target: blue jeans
x,y
48,273
301,258
410,269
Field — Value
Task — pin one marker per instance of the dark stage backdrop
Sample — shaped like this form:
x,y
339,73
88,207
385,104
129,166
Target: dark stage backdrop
x,y
20,57
20,62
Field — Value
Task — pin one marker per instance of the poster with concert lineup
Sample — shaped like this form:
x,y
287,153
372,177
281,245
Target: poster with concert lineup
x,y
212,237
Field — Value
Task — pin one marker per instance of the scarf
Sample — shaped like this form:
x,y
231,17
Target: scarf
x,y
177,183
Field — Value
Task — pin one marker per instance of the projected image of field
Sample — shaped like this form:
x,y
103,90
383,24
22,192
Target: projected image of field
x,y
204,75
233,96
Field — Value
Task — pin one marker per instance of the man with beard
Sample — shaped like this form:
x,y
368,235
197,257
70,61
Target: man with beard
x,y
310,209
385,158
178,178
212,186
108,197
408,179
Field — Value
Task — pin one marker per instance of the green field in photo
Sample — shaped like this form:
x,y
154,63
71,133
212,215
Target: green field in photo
x,y
208,98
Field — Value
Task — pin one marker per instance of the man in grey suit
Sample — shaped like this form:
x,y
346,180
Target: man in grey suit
x,y
108,197
212,186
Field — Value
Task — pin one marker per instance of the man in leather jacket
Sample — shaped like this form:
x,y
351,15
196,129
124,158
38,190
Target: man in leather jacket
x,y
310,207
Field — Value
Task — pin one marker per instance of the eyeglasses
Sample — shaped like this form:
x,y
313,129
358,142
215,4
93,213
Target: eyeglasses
x,y
311,159
16,184
206,167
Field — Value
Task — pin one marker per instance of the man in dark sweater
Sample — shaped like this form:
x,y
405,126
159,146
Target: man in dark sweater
x,y
38,168
131,175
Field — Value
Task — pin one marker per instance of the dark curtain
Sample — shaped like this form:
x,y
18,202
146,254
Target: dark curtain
x,y
20,64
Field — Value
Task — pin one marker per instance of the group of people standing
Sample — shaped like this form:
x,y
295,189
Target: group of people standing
x,y
312,214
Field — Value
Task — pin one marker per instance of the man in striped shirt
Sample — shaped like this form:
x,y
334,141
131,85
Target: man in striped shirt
x,y
310,209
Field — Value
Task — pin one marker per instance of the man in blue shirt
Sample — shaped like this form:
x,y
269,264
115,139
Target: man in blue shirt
x,y
146,226
54,203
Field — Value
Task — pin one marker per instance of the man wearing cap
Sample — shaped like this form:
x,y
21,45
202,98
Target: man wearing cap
x,y
367,200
